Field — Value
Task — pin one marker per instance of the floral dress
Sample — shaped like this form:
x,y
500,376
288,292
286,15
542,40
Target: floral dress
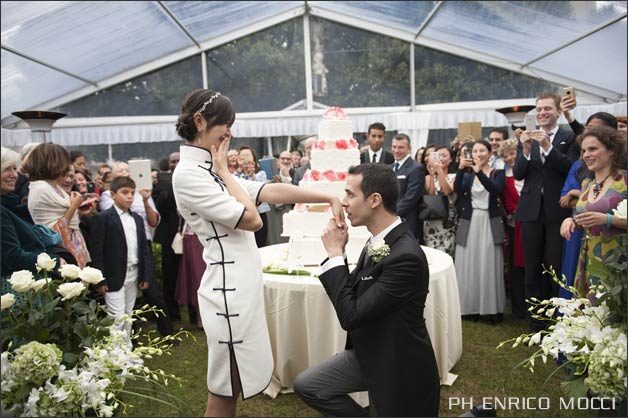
x,y
441,233
600,241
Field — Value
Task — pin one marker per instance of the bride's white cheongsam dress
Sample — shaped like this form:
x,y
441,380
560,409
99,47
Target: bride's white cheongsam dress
x,y
231,294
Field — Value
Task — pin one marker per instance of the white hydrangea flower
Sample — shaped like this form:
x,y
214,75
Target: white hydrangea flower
x,y
44,262
70,290
6,301
70,271
22,281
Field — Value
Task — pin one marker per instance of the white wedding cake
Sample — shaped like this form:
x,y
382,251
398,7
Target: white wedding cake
x,y
332,155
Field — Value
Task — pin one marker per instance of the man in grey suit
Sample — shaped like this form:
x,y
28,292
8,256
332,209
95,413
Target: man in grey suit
x,y
380,304
299,172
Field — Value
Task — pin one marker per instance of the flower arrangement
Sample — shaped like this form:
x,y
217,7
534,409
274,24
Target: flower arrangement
x,y
377,250
587,333
63,355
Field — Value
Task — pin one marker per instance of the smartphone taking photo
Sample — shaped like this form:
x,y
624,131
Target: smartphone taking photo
x,y
530,122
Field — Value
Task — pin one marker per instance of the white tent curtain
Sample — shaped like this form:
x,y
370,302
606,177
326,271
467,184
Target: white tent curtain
x,y
72,132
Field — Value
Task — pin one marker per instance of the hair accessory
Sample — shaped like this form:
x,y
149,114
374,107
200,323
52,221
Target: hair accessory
x,y
209,101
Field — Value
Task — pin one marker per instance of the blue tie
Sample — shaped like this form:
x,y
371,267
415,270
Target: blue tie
x,y
396,168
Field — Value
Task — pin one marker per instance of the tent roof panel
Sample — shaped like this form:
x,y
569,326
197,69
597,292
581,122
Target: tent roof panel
x,y
26,83
602,69
404,15
517,31
208,19
96,39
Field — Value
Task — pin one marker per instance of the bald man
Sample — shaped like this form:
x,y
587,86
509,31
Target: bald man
x,y
298,174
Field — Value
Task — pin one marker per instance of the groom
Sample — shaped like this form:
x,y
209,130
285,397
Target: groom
x,y
380,303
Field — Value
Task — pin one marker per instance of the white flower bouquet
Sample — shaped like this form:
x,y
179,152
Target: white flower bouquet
x,y
63,356
586,333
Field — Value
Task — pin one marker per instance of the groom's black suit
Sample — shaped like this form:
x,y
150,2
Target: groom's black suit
x,y
381,306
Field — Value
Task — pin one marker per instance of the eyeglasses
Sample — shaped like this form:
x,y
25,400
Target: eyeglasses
x,y
174,161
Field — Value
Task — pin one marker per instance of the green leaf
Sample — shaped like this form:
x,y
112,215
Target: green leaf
x,y
81,308
575,388
70,358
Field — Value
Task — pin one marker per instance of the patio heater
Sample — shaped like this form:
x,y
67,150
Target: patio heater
x,y
515,116
40,123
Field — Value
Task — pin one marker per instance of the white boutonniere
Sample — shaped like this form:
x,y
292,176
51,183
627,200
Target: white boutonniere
x,y
378,250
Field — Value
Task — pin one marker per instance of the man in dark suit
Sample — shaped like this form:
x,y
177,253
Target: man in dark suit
x,y
544,157
375,138
380,303
300,172
411,178
164,234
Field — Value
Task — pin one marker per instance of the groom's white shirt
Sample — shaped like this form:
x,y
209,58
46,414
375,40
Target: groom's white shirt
x,y
340,259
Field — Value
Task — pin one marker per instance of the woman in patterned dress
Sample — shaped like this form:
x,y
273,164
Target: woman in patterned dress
x,y
604,154
441,233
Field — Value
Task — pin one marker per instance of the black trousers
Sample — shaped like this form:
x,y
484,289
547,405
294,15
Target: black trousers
x,y
542,247
170,271
517,280
154,297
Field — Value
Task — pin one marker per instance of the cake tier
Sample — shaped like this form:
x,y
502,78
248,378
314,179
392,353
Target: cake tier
x,y
298,224
311,251
332,129
335,144
336,188
336,160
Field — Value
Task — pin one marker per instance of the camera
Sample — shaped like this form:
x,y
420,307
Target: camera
x,y
467,153
91,187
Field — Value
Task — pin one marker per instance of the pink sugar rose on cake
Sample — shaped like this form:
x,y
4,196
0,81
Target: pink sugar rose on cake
x,y
330,175
320,144
315,175
342,176
342,144
334,113
353,143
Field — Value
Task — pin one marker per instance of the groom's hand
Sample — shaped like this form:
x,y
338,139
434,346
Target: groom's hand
x,y
335,238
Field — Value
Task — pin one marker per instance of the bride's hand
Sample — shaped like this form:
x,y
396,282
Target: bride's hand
x,y
219,156
338,212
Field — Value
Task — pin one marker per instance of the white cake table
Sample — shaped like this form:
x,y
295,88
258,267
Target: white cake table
x,y
304,329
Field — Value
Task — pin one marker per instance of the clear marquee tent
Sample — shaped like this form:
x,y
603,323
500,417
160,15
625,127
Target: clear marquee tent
x,y
121,69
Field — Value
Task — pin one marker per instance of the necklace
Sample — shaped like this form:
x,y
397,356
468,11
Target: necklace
x,y
597,187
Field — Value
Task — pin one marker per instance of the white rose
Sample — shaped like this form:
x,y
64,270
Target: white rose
x,y
621,210
70,271
377,244
70,290
22,281
39,284
44,262
6,301
91,275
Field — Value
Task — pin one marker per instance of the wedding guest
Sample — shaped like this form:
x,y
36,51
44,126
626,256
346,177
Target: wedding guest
x,y
121,251
166,205
604,154
514,250
479,257
418,155
232,157
569,197
296,159
375,137
496,137
543,160
251,170
380,303
68,182
411,178
144,206
21,187
429,148
191,269
221,209
622,126
441,233
49,205
305,165
102,169
22,241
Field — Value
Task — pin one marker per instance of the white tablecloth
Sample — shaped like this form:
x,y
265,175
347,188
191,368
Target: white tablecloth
x,y
304,329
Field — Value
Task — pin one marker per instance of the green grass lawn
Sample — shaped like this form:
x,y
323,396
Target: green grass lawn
x,y
483,371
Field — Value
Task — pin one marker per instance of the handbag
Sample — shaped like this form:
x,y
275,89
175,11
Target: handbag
x,y
177,241
47,236
434,207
